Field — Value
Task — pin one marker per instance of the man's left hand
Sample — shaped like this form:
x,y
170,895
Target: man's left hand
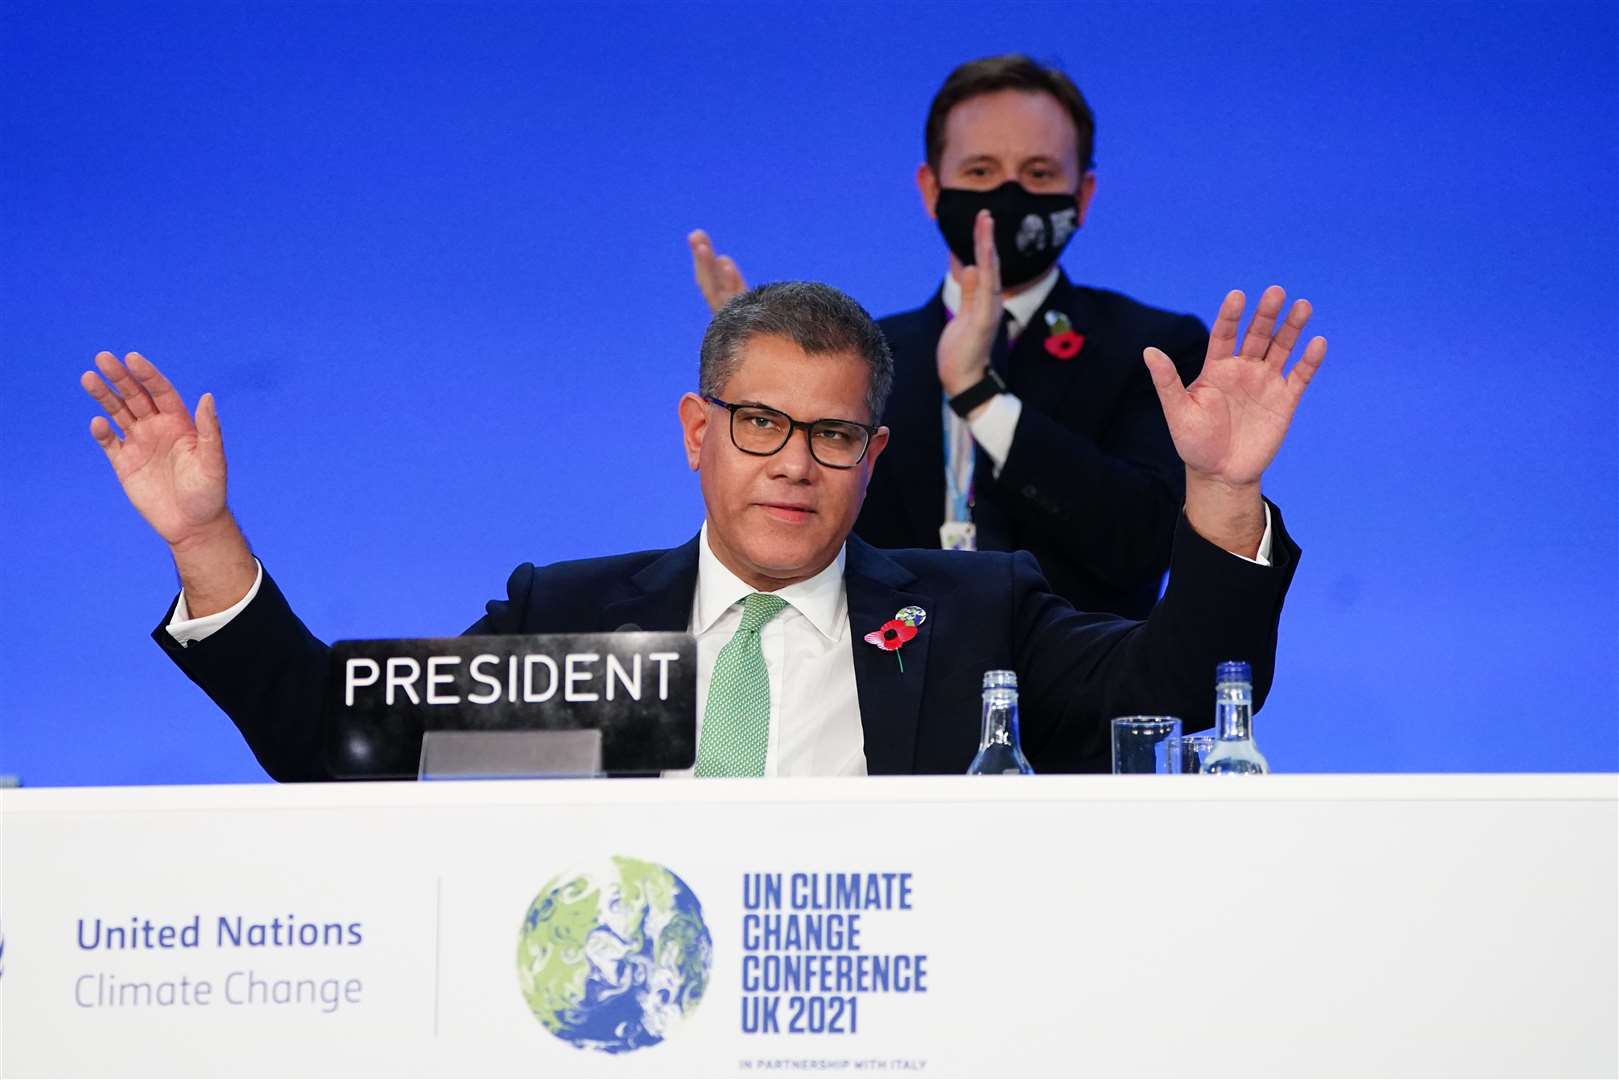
x,y
1230,422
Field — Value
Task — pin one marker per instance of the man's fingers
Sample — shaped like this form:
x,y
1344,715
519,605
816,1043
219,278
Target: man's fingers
x,y
1298,316
969,288
988,260
135,399
164,397
730,277
702,253
702,263
101,431
118,377
1257,341
1167,381
106,397
1223,335
718,276
1305,369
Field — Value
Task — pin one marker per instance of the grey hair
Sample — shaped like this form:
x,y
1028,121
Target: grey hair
x,y
817,318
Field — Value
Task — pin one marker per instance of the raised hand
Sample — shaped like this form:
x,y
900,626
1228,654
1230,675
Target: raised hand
x,y
172,467
717,275
1229,423
964,347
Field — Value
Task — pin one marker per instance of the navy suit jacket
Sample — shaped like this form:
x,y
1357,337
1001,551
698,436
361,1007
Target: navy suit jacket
x,y
1092,485
985,611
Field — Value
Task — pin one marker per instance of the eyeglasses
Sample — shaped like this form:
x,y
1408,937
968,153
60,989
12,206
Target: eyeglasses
x,y
762,431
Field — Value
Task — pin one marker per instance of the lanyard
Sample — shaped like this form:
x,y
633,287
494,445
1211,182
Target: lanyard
x,y
958,467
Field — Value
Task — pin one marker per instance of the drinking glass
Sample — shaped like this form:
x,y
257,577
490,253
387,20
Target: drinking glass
x,y
1141,744
1191,750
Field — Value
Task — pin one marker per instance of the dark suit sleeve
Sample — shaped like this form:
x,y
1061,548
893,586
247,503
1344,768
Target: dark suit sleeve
x,y
1078,670
1109,502
269,674
507,616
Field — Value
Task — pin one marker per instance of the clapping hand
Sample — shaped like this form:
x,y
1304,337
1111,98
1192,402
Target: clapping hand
x,y
717,275
968,338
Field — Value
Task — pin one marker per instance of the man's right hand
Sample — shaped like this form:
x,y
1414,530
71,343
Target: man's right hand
x,y
173,470
968,339
717,275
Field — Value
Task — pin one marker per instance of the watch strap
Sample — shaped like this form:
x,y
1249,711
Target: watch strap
x,y
978,393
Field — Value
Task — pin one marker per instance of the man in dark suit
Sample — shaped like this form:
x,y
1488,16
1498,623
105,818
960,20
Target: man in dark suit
x,y
1059,447
782,600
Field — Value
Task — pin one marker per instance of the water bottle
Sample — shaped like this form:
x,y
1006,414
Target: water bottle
x,y
998,748
1234,750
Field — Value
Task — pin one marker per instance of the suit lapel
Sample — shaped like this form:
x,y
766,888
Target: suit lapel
x,y
1036,374
662,593
890,698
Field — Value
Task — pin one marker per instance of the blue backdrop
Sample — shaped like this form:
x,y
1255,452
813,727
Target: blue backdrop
x,y
430,258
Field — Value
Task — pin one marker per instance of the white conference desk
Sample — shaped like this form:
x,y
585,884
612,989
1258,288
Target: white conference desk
x,y
1223,926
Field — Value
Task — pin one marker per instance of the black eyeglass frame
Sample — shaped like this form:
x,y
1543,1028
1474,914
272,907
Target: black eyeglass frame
x,y
807,426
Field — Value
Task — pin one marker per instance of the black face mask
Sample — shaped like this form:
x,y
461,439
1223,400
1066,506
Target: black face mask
x,y
1030,230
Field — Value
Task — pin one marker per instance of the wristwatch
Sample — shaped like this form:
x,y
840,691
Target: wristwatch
x,y
978,393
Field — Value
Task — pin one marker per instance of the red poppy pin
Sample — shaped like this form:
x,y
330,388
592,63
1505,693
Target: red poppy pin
x,y
897,631
1061,339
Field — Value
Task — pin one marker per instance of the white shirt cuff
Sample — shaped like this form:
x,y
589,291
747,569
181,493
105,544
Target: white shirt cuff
x,y
185,630
994,427
1263,556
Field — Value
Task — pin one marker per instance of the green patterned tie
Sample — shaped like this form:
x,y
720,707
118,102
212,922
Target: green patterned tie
x,y
736,724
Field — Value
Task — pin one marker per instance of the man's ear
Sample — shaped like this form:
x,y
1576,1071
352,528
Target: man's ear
x,y
879,443
874,450
693,426
1087,188
927,185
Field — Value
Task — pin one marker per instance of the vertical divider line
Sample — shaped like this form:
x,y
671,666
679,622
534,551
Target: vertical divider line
x,y
438,944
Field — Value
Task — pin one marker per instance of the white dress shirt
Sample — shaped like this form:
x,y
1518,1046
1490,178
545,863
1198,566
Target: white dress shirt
x,y
815,725
186,630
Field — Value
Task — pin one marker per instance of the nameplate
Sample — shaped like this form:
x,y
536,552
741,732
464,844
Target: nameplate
x,y
639,689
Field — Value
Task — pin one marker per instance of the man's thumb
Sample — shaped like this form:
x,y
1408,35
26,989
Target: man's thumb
x,y
207,420
1166,380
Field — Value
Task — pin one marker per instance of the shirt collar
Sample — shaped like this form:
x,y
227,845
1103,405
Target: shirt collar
x,y
821,599
1022,306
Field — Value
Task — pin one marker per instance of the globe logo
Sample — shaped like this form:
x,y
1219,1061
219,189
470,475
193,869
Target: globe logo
x,y
613,961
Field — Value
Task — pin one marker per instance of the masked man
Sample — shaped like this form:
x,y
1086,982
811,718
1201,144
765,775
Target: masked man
x,y
1057,446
